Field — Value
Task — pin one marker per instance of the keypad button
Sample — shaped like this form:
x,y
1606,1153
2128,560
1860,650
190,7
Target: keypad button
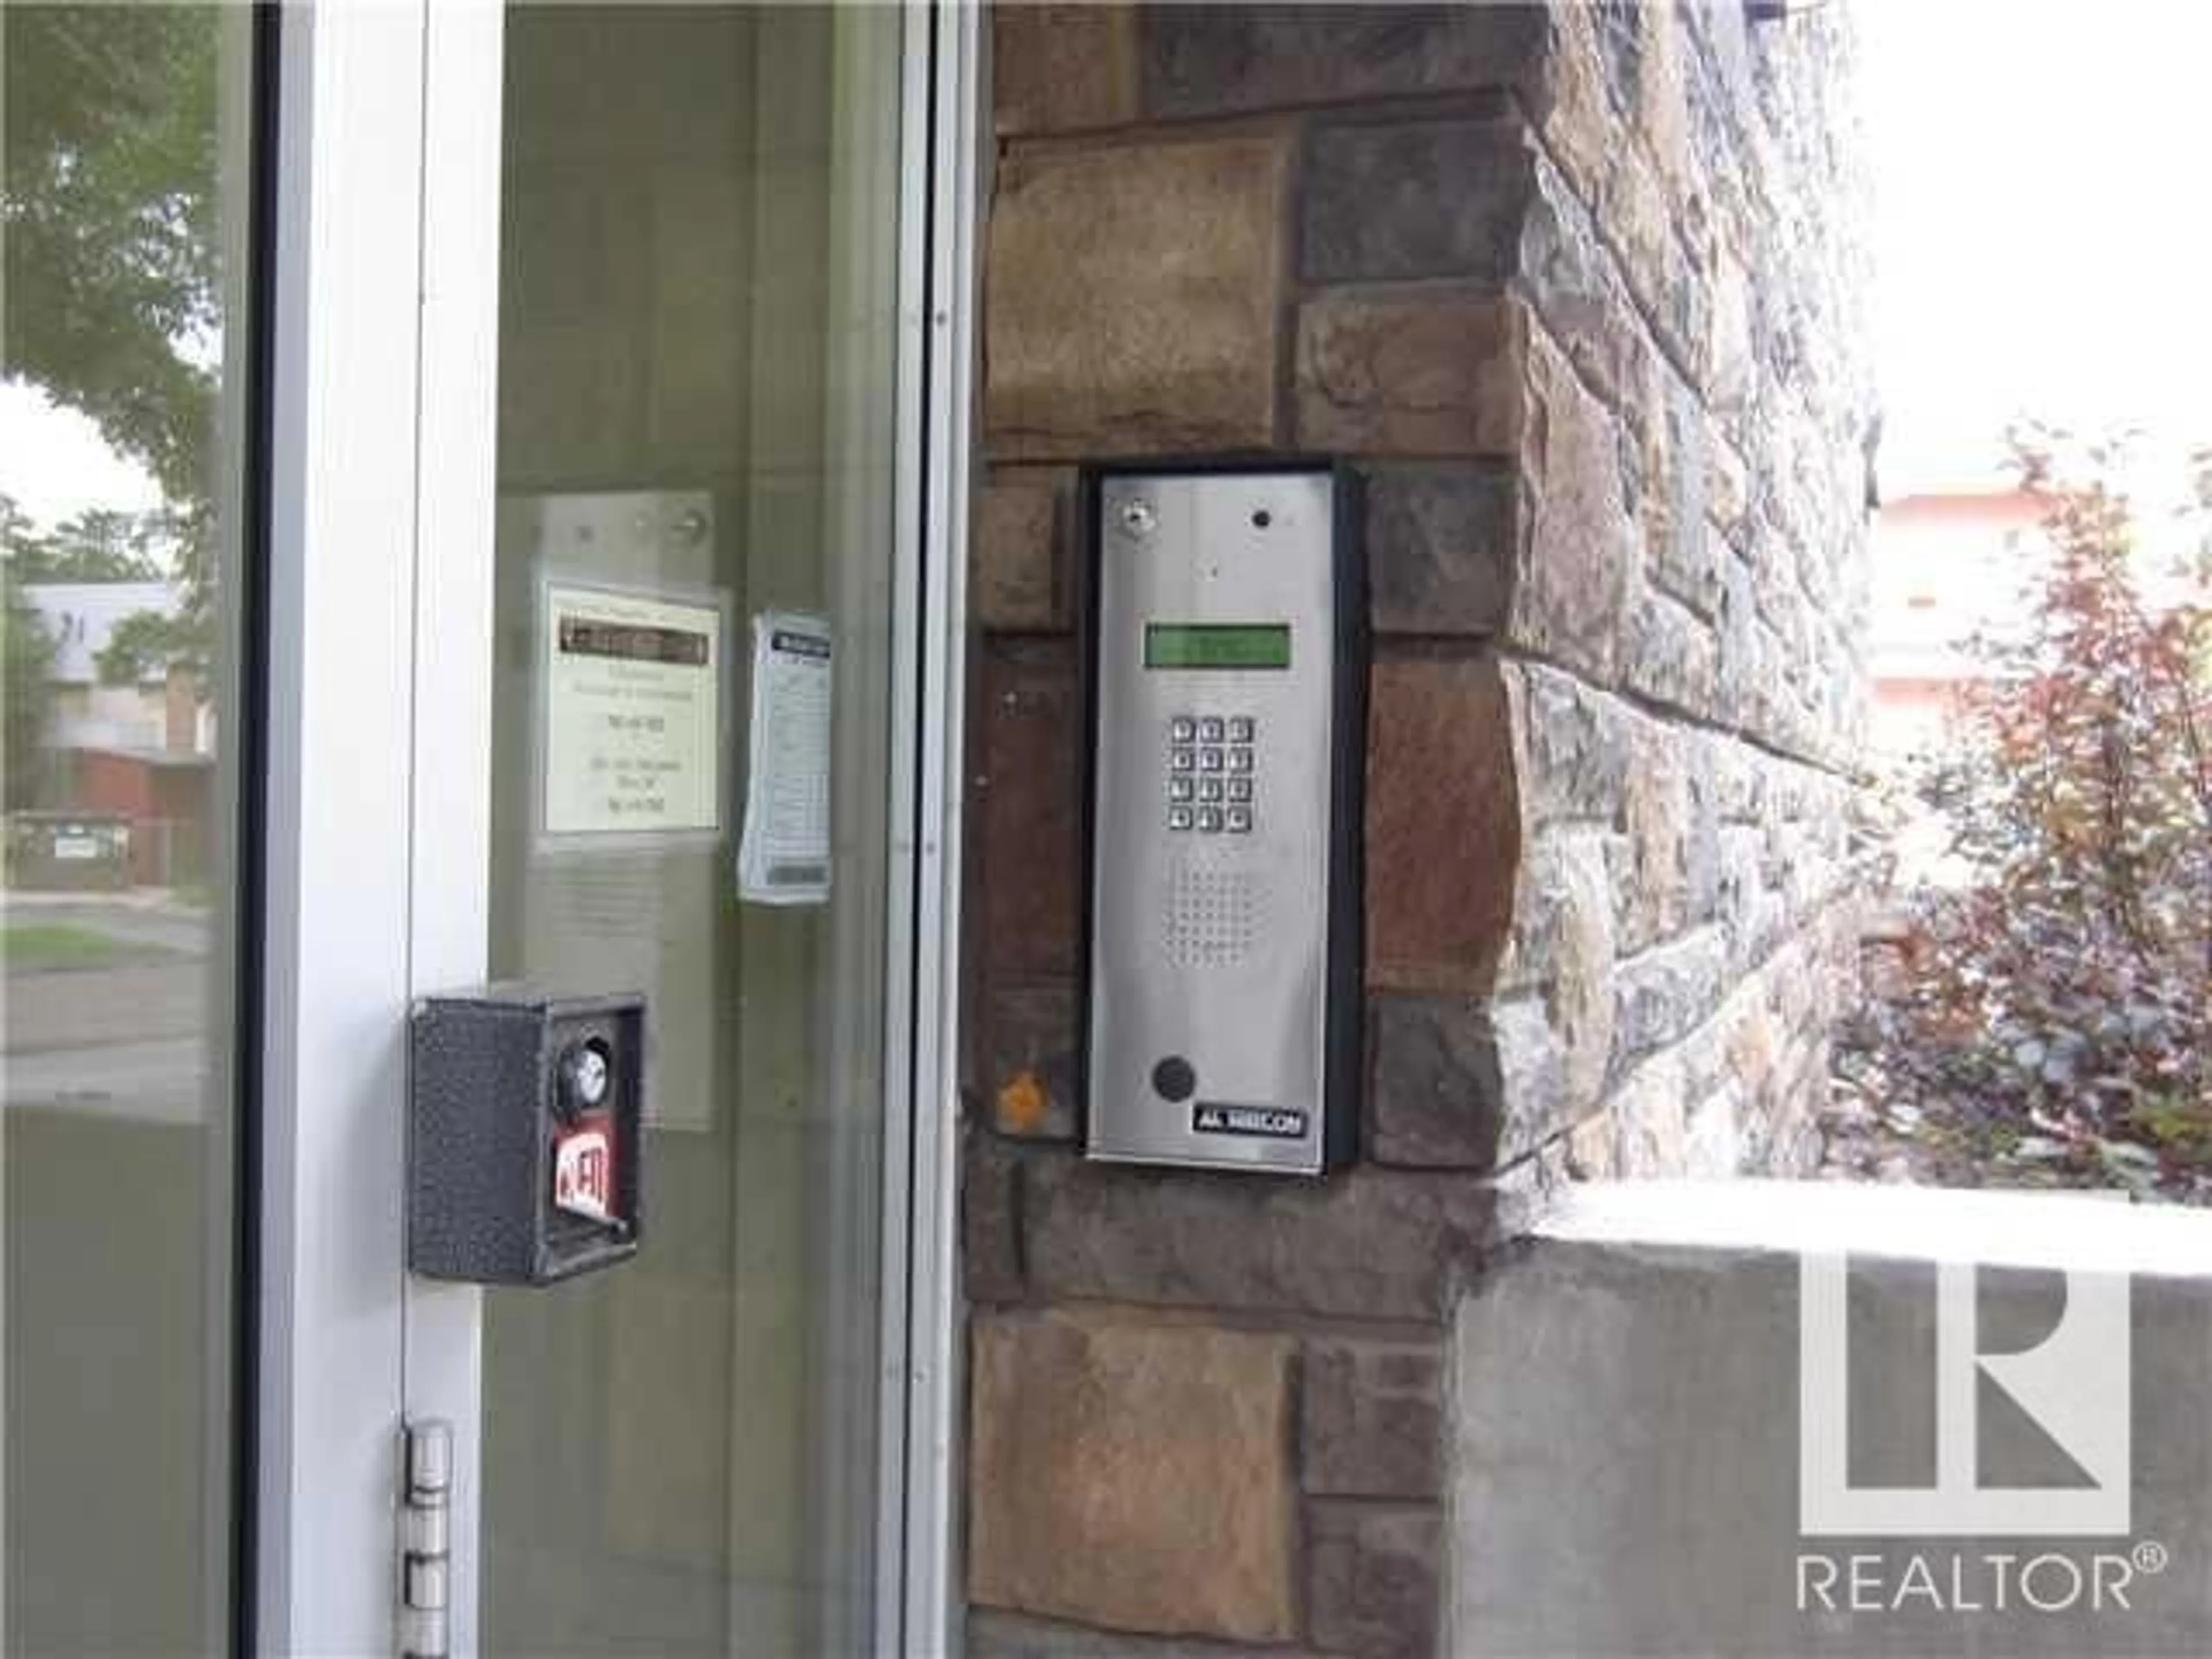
x,y
1240,728
1240,760
1240,789
1180,729
1209,821
1183,760
1240,820
1209,730
1179,817
1209,760
1178,788
1209,788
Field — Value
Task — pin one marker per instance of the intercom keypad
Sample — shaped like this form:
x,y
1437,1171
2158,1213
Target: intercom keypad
x,y
1210,763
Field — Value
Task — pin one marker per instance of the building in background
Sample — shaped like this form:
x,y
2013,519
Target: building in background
x,y
138,754
1949,566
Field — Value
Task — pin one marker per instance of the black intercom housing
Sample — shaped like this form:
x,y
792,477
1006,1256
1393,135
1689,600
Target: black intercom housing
x,y
503,1081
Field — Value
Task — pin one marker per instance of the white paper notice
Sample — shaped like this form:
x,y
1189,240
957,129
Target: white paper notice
x,y
633,714
783,855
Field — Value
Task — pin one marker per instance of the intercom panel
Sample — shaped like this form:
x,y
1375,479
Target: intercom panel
x,y
1227,659
524,1135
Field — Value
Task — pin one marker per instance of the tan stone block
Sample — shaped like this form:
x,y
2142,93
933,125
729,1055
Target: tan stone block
x,y
1637,219
1714,1142
1532,1066
1133,1476
1733,372
1656,808
1577,122
1444,824
1667,653
1427,374
1662,113
1057,68
1592,1153
1578,991
1727,490
1580,543
1131,298
1650,1118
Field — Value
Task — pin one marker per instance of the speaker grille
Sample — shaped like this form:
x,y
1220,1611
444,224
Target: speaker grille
x,y
1212,918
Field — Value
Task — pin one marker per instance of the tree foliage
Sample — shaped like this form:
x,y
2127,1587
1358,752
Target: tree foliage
x,y
113,292
2064,998
96,545
145,644
28,689
114,299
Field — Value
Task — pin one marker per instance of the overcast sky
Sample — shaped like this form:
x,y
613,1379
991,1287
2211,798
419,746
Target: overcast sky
x,y
2042,239
2042,235
54,462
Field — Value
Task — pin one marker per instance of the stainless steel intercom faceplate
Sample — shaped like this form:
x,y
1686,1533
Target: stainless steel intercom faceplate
x,y
1227,659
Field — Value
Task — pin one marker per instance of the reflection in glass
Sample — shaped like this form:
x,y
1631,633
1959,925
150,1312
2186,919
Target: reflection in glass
x,y
699,251
123,186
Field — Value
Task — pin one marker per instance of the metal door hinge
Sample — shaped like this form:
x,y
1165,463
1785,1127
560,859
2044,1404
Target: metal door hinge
x,y
424,1528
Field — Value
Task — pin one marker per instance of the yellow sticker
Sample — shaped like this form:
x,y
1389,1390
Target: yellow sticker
x,y
1022,1102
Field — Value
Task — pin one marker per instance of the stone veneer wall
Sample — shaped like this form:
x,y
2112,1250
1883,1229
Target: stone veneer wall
x,y
1575,287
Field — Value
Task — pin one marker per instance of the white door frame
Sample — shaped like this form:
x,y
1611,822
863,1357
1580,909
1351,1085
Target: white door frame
x,y
377,801
341,614
937,333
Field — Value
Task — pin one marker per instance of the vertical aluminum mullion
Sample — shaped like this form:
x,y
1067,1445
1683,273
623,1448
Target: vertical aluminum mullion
x,y
930,1608
903,818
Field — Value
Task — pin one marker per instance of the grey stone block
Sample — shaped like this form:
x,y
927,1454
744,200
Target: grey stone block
x,y
1435,198
1661,995
1437,1093
1369,1242
1370,1419
1212,60
1576,740
1374,1579
1440,539
1570,280
990,1218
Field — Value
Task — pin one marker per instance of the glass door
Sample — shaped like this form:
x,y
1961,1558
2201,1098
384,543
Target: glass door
x,y
536,564
670,741
127,161
698,396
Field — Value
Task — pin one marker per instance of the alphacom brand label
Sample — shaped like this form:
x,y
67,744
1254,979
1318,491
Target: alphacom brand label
x,y
1272,1122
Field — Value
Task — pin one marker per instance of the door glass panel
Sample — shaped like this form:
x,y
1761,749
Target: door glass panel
x,y
125,189
700,232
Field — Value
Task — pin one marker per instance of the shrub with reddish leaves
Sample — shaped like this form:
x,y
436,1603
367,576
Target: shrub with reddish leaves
x,y
2062,1000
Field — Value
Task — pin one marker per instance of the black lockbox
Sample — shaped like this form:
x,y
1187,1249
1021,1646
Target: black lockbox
x,y
526,1113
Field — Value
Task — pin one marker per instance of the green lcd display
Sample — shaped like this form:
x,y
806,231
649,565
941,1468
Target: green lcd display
x,y
1216,645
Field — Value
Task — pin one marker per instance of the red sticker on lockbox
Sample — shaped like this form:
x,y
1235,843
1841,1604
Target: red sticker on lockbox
x,y
584,1170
